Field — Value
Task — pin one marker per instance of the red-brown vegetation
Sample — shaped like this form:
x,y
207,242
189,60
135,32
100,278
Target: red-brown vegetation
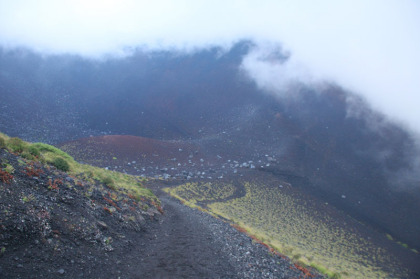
x,y
239,228
111,202
53,185
107,210
32,171
255,239
158,207
304,270
5,176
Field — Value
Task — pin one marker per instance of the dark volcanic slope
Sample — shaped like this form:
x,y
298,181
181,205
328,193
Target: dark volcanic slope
x,y
54,225
80,230
327,139
169,250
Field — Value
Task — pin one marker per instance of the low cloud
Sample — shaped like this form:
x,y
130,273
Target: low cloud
x,y
275,70
368,47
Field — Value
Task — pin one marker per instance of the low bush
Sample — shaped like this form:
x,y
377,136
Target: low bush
x,y
27,155
108,181
42,147
5,177
322,269
61,164
2,142
16,144
33,150
9,168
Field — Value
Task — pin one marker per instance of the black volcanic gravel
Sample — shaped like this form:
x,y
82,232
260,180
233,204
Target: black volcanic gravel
x,y
63,233
189,243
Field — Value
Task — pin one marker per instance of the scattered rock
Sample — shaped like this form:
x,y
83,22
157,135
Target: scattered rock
x,y
102,225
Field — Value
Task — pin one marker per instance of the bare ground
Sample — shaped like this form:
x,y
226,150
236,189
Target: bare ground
x,y
64,232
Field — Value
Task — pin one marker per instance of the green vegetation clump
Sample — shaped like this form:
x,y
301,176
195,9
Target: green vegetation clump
x,y
202,192
61,164
2,142
30,152
33,150
48,154
9,168
322,269
16,145
108,181
44,148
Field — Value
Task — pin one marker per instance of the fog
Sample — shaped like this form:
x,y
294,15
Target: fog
x,y
368,47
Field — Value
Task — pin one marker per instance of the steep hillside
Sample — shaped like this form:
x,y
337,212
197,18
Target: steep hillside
x,y
60,221
59,218
260,197
323,139
328,139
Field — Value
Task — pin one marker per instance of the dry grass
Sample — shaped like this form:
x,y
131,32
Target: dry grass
x,y
194,192
294,227
129,184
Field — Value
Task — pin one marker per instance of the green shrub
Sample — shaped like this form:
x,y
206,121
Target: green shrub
x,y
33,150
297,257
16,144
43,147
27,155
108,181
10,169
2,143
61,164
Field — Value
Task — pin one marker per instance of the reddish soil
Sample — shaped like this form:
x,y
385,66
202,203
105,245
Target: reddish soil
x,y
132,148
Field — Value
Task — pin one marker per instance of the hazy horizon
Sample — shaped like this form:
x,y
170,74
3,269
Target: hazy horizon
x,y
368,47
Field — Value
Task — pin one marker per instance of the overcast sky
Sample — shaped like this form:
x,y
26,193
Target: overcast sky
x,y
371,47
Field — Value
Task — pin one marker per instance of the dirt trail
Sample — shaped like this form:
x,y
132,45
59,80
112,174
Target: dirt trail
x,y
187,243
181,246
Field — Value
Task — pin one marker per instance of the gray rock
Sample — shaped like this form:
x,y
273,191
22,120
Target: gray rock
x,y
102,225
271,159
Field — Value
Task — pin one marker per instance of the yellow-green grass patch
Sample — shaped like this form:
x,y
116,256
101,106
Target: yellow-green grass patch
x,y
295,227
49,154
196,192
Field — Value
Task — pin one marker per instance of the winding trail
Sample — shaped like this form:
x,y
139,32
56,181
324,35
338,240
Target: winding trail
x,y
182,246
188,243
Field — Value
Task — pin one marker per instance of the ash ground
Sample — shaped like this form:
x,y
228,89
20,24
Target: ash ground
x,y
176,162
63,233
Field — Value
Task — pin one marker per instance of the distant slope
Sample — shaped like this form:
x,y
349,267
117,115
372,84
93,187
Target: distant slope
x,y
328,139
126,150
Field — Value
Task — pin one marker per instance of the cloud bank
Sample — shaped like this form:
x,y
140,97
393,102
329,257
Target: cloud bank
x,y
370,47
